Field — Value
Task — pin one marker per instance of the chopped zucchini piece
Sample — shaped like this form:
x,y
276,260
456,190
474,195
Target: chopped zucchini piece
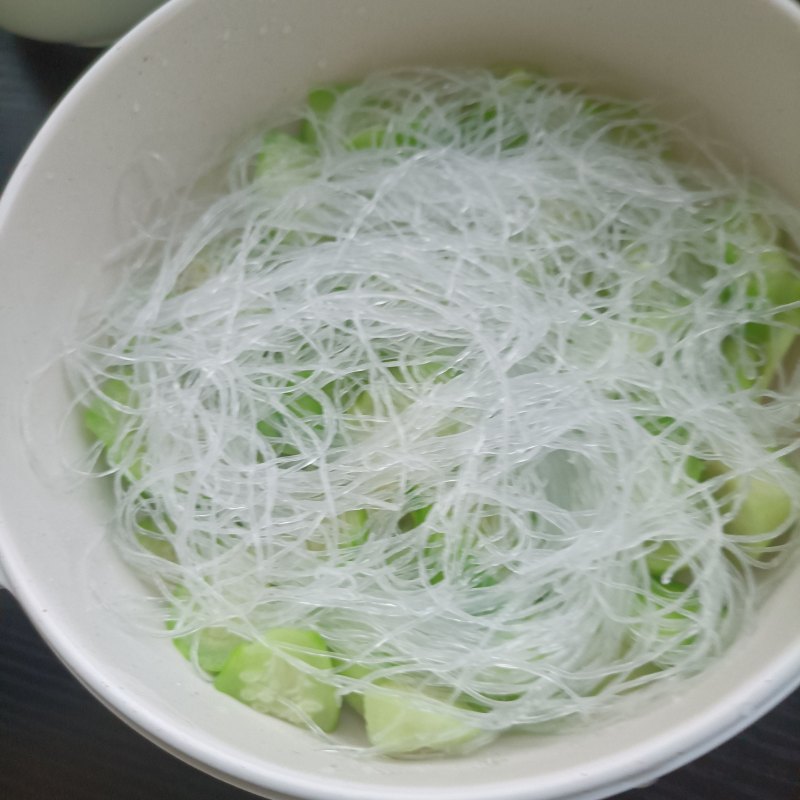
x,y
103,419
320,102
350,529
353,527
302,407
355,699
106,422
759,349
265,677
282,153
764,509
660,560
403,721
375,138
674,607
214,647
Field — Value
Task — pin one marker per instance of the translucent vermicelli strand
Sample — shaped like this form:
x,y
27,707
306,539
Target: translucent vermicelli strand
x,y
472,378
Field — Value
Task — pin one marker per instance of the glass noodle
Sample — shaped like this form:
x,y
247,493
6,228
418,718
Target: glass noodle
x,y
464,401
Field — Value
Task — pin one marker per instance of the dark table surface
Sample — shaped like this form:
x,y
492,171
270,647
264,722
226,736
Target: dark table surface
x,y
57,741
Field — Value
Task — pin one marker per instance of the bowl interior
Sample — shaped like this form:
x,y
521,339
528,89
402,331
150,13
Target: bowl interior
x,y
158,106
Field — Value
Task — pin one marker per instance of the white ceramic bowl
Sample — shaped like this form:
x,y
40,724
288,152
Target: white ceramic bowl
x,y
85,22
191,77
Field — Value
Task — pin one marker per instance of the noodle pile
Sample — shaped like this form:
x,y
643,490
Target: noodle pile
x,y
467,379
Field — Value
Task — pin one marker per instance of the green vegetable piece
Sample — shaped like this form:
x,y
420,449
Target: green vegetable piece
x,y
413,519
656,426
752,230
214,647
756,332
363,405
151,537
367,410
661,559
282,153
779,344
106,422
764,509
473,116
781,279
695,468
435,370
302,406
103,419
305,406
320,101
758,353
626,126
268,429
401,721
374,138
732,253
676,623
263,677
118,456
434,557
744,358
355,699
353,527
